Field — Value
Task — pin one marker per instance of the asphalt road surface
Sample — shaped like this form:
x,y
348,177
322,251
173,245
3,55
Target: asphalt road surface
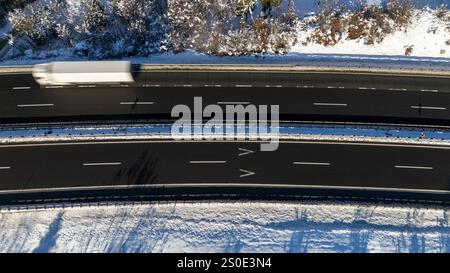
x,y
44,166
301,96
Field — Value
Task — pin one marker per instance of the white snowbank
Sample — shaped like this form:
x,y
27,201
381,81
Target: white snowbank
x,y
227,227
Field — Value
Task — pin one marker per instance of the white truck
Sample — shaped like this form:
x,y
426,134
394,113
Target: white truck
x,y
87,72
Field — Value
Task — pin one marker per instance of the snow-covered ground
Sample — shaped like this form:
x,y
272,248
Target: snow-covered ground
x,y
227,227
426,35
141,132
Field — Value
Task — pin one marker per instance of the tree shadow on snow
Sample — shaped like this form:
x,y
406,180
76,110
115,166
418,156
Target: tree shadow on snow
x,y
48,242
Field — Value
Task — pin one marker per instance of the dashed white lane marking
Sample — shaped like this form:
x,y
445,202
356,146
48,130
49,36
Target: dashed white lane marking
x,y
366,88
36,105
22,88
102,164
277,86
329,104
87,86
233,102
335,87
151,85
428,107
312,163
5,168
305,86
413,167
137,103
429,90
187,85
243,85
398,89
207,162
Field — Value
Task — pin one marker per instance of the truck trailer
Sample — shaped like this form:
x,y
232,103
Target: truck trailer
x,y
88,72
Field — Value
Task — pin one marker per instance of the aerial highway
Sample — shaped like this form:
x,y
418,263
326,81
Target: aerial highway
x,y
142,170
353,97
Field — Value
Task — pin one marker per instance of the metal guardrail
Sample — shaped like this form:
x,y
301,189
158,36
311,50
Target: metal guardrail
x,y
115,196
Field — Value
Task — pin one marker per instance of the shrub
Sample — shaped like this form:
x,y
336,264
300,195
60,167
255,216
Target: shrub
x,y
370,23
227,27
94,28
9,5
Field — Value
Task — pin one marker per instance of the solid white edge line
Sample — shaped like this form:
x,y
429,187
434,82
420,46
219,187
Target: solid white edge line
x,y
170,140
231,184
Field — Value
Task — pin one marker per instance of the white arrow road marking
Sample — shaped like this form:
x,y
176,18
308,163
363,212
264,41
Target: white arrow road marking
x,y
245,152
246,173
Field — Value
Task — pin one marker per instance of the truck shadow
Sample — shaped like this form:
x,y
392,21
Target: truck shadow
x,y
141,172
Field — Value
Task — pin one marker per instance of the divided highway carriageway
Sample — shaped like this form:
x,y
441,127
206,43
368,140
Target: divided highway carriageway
x,y
302,96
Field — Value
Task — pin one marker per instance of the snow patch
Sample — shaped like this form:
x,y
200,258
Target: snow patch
x,y
227,227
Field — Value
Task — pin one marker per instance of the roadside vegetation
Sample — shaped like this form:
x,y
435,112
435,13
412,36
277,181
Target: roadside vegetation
x,y
120,28
443,13
231,27
7,6
369,23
